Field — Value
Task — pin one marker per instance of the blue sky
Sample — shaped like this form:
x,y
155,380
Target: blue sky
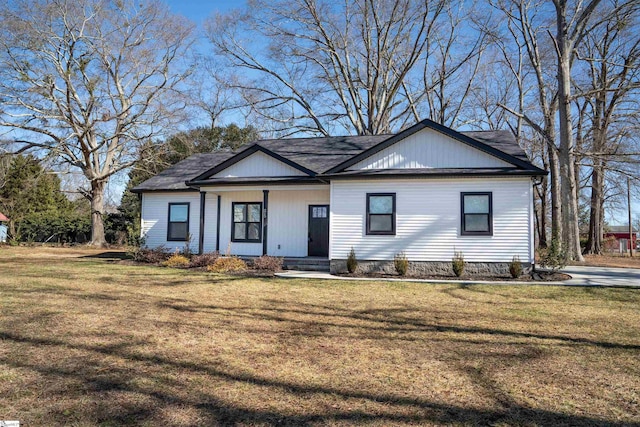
x,y
198,10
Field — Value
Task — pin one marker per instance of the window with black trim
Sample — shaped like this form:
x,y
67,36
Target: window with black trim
x,y
178,224
477,214
247,222
381,213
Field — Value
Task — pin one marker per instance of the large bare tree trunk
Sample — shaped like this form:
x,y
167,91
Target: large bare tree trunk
x,y
596,216
556,203
97,213
564,44
568,185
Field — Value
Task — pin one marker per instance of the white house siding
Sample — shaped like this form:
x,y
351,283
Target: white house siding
x,y
258,164
429,149
428,220
155,215
210,215
288,219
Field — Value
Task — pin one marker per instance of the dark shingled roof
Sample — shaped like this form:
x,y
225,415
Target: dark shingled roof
x,y
318,154
321,154
174,177
503,140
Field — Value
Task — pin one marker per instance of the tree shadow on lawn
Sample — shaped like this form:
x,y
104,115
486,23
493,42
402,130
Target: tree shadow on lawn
x,y
109,255
99,381
384,320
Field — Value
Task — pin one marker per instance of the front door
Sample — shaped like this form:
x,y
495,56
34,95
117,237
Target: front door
x,y
318,230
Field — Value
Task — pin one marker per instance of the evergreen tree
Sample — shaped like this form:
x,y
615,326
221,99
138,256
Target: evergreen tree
x,y
158,156
30,196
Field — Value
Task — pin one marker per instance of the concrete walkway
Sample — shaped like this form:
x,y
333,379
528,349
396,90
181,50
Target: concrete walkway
x,y
580,276
603,276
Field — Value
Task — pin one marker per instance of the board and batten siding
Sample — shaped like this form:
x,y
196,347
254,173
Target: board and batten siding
x,y
429,149
288,220
428,221
155,217
258,164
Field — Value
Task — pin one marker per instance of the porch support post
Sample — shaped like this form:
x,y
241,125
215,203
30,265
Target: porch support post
x,y
201,235
218,226
265,205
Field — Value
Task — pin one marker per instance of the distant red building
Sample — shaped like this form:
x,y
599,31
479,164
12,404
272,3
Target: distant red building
x,y
616,239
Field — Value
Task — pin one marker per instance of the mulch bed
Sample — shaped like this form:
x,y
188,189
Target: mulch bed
x,y
538,276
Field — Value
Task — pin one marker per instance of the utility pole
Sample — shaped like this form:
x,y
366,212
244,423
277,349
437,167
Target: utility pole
x,y
630,225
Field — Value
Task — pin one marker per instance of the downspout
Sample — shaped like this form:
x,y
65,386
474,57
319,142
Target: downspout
x,y
265,205
218,226
203,195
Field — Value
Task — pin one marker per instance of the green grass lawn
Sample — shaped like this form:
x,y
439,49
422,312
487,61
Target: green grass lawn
x,y
92,341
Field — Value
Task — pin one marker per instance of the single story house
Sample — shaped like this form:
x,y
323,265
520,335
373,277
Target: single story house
x,y
428,191
616,239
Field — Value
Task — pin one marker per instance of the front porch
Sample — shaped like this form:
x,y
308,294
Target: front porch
x,y
291,222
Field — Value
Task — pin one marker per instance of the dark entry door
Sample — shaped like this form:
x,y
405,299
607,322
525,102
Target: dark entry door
x,y
319,230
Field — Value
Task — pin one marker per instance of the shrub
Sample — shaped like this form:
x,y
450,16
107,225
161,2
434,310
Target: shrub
x,y
268,263
203,260
176,261
352,262
227,264
401,263
151,256
553,257
458,263
515,267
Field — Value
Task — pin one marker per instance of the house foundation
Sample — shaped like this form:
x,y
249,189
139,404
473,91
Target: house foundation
x,y
428,268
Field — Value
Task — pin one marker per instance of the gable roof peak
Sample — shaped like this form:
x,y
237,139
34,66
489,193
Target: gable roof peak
x,y
464,137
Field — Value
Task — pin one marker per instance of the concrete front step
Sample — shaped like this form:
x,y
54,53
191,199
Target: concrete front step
x,y
306,264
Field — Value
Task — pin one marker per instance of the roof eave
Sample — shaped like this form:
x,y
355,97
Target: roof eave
x,y
470,174
156,190
230,181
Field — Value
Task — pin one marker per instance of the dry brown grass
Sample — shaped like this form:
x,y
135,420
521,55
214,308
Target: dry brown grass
x,y
91,341
611,261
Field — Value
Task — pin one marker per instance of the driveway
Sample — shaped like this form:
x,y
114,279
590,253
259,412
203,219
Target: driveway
x,y
602,276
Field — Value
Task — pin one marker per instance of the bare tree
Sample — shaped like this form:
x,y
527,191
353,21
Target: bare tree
x,y
367,66
610,55
574,21
527,26
210,90
89,81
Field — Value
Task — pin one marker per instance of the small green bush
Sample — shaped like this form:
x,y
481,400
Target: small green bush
x,y
401,263
352,262
268,263
176,261
227,264
203,260
515,267
553,256
457,263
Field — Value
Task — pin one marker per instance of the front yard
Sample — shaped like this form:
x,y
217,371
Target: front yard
x,y
87,340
